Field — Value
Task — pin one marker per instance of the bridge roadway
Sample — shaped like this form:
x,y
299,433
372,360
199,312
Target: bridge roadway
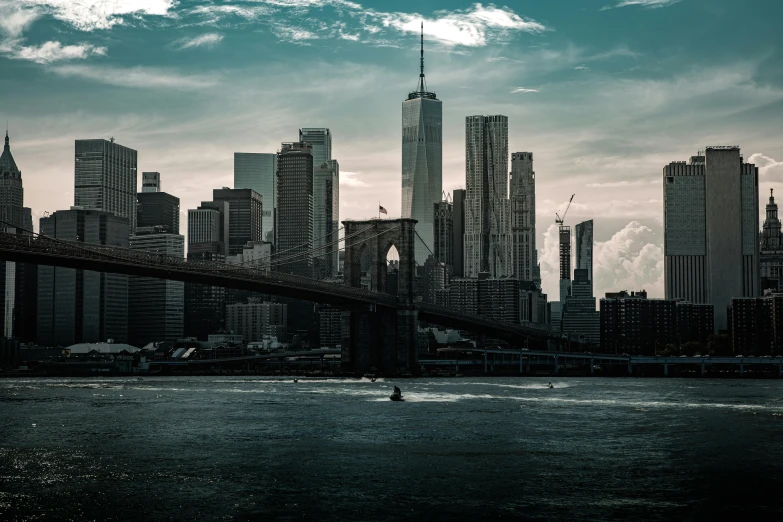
x,y
42,250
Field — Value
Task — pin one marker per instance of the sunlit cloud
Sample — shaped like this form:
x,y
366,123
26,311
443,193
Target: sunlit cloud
x,y
136,77
208,40
523,90
50,52
89,15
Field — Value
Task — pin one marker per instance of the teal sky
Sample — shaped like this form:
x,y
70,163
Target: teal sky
x,y
603,92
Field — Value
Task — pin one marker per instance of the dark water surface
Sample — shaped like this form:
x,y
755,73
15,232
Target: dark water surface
x,y
211,448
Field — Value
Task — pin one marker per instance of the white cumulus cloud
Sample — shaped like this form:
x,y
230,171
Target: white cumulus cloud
x,y
632,259
88,15
770,169
208,40
469,27
349,179
50,52
14,20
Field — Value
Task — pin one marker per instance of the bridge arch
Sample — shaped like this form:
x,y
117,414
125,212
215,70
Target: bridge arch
x,y
378,236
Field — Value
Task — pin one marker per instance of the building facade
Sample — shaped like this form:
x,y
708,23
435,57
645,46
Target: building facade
x,y
523,217
771,250
294,210
422,159
711,229
150,182
487,207
17,289
156,306
326,218
584,253
157,209
258,171
81,306
106,178
443,232
458,233
244,216
580,317
256,319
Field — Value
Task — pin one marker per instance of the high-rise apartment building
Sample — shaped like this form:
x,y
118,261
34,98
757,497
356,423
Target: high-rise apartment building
x,y
711,229
326,217
443,232
259,172
150,182
523,217
81,306
106,178
565,261
422,159
156,306
580,318
244,216
295,209
487,207
584,254
458,233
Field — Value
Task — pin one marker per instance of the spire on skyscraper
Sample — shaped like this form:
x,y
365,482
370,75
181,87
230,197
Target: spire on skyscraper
x,y
421,87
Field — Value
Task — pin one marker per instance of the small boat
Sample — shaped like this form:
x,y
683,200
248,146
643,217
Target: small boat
x,y
296,380
549,385
372,380
396,397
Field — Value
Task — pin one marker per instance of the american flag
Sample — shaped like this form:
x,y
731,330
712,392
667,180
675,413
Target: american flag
x,y
382,210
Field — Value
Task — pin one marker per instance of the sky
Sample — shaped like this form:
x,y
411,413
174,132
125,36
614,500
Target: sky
x,y
605,93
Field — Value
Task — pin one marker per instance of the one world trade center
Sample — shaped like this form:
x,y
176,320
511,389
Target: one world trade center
x,y
422,159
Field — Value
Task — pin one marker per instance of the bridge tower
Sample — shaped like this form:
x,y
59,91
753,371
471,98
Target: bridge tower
x,y
381,337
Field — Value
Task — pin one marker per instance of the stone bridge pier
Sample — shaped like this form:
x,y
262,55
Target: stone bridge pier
x,y
383,338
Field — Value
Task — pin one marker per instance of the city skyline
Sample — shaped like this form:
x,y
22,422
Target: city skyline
x,y
620,188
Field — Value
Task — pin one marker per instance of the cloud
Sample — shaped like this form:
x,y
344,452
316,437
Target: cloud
x,y
652,4
88,15
581,68
769,168
208,40
632,259
523,89
50,52
349,179
14,20
473,27
294,34
136,77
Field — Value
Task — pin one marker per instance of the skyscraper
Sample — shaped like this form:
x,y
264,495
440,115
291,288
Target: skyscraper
x,y
443,232
565,261
259,172
244,216
295,209
458,232
320,139
157,209
205,306
81,306
487,207
584,251
16,293
326,217
156,306
422,159
106,178
523,217
771,252
150,182
711,225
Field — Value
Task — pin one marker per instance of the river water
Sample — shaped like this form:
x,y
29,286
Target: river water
x,y
211,448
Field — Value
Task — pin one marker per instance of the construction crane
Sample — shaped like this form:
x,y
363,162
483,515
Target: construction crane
x,y
559,220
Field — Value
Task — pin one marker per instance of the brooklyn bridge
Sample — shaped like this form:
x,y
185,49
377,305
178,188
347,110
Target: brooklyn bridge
x,y
380,329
